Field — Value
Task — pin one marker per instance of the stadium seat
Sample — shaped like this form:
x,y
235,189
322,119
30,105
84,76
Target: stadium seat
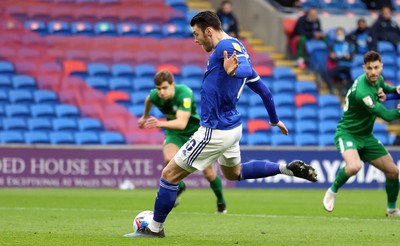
x,y
93,110
179,5
136,110
14,124
9,137
328,101
257,112
50,68
45,97
380,128
119,97
329,114
285,113
98,82
67,111
5,83
36,26
7,53
326,139
283,86
150,30
306,126
278,139
4,97
64,124
40,124
305,87
111,138
23,82
327,127
7,68
98,69
17,110
192,71
139,97
258,138
115,110
37,137
289,125
58,27
306,140
82,27
105,28
386,48
43,111
20,96
101,56
122,70
84,138
171,30
193,83
2,112
75,67
62,137
128,29
284,100
145,70
283,73
120,56
257,125
121,84
117,124
89,124
318,54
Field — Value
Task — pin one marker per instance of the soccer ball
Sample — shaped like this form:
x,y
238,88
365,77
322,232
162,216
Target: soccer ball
x,y
142,219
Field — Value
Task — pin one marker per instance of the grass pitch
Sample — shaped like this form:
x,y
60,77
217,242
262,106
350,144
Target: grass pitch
x,y
255,217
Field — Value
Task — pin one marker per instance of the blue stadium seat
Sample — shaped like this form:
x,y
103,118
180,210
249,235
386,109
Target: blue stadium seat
x,y
122,70
289,125
358,61
355,72
12,137
283,86
98,69
306,126
192,71
174,31
390,74
243,100
136,110
145,70
7,67
111,138
150,30
89,124
105,29
62,137
354,5
17,110
384,138
14,124
327,127
307,87
325,101
23,82
306,139
99,83
258,138
2,112
4,98
143,84
121,84
82,27
278,139
380,128
243,139
37,137
65,110
5,83
285,113
283,73
58,27
45,97
193,83
127,29
42,111
257,112
386,48
318,54
329,114
65,124
84,138
284,100
20,96
36,26
40,124
139,97
326,139
179,5
389,61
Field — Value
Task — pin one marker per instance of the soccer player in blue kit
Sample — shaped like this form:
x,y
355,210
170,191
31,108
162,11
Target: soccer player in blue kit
x,y
217,138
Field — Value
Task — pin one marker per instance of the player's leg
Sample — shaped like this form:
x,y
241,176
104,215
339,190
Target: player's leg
x,y
216,185
378,156
169,151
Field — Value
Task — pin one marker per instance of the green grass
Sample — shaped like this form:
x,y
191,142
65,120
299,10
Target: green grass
x,y
255,217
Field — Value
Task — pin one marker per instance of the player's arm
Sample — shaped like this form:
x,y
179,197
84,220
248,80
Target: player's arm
x,y
388,92
378,109
147,108
236,63
180,123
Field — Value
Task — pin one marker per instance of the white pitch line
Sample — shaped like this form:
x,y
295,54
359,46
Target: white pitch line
x,y
207,214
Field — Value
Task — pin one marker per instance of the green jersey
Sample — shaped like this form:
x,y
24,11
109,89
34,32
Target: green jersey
x,y
182,100
362,106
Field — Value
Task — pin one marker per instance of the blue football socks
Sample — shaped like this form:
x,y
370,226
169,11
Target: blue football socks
x,y
165,200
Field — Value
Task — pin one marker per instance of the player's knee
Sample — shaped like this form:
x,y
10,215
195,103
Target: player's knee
x,y
353,169
392,173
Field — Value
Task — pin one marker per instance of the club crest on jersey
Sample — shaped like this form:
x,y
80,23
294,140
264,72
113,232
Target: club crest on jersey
x,y
187,102
368,101
237,47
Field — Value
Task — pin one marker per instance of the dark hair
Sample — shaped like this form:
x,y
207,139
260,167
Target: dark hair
x,y
372,56
163,75
206,19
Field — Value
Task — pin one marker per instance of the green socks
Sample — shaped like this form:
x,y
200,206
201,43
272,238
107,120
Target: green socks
x,y
392,191
216,186
340,180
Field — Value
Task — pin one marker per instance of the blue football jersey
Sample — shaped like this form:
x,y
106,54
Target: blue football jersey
x,y
219,91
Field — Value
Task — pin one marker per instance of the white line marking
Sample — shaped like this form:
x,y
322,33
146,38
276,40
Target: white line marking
x,y
206,214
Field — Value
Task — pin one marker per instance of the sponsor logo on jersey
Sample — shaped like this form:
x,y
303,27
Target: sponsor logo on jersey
x,y
237,47
368,101
187,102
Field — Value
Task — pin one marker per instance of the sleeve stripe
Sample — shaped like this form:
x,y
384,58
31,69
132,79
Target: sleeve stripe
x,y
254,79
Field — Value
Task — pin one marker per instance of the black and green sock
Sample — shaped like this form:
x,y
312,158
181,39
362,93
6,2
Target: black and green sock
x,y
216,186
392,191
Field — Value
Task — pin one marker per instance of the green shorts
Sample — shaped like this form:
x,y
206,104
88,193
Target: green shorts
x,y
177,139
369,148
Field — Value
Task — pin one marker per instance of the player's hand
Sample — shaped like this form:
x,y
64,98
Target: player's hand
x,y
151,122
381,95
141,122
281,126
231,63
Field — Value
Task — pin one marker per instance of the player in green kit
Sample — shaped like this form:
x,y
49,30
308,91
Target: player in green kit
x,y
177,104
354,138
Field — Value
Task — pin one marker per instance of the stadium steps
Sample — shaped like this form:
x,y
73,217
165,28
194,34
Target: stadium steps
x,y
199,5
394,129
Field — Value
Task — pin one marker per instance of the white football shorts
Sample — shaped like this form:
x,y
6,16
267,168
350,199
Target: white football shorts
x,y
209,145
